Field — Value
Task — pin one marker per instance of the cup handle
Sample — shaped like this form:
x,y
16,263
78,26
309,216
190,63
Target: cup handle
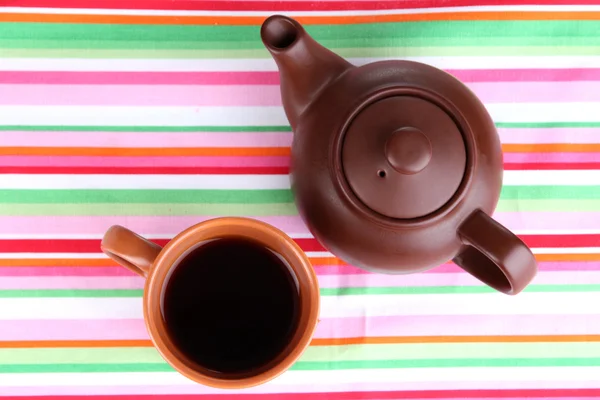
x,y
130,249
495,255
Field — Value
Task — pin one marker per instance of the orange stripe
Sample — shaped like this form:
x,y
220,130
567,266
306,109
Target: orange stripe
x,y
312,20
57,262
105,262
551,148
322,341
567,257
145,151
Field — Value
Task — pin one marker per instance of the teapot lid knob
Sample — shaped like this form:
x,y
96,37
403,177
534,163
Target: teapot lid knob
x,y
403,156
408,150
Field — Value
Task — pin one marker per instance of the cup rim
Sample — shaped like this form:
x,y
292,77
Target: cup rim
x,y
257,231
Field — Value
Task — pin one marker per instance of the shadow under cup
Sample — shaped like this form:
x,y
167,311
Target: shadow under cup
x,y
176,253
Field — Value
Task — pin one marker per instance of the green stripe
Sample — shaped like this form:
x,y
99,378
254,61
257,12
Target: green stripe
x,y
444,363
139,128
525,30
423,351
368,352
319,366
82,128
407,290
245,209
205,202
589,124
133,196
523,205
349,291
550,192
17,293
340,43
365,52
137,209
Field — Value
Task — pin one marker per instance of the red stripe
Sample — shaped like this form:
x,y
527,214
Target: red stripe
x,y
309,244
550,166
382,395
269,77
147,170
279,5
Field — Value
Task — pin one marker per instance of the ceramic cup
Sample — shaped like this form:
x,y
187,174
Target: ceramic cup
x,y
154,263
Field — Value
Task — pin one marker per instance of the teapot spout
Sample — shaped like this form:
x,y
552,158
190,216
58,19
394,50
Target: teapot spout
x,y
305,67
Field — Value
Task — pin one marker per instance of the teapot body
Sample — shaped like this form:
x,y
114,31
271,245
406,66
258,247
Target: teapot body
x,y
396,165
334,213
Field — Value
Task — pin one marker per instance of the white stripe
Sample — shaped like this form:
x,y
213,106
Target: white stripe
x,y
65,181
267,64
16,181
544,112
241,116
526,303
54,256
565,250
411,11
552,177
294,378
132,116
276,387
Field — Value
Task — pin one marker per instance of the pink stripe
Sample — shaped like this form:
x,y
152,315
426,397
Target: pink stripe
x,y
140,95
526,75
144,139
171,225
436,325
139,78
327,281
543,266
261,95
237,161
71,282
551,157
64,271
180,161
455,279
270,77
549,135
97,225
523,92
251,139
323,271
274,387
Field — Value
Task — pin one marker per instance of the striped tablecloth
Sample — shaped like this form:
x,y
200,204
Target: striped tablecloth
x,y
112,113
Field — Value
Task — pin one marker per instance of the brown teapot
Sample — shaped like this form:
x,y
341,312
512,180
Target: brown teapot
x,y
396,165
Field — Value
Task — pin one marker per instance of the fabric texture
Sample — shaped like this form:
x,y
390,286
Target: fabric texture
x,y
159,114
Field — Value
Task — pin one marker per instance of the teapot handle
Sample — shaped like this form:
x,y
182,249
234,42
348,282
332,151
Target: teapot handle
x,y
495,255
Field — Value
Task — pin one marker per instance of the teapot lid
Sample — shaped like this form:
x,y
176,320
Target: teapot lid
x,y
404,157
